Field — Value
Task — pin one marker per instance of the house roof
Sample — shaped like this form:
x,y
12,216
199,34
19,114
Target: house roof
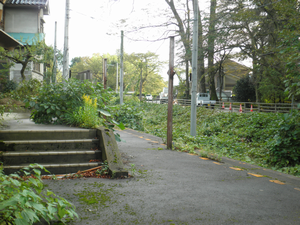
x,y
235,69
7,41
30,3
27,2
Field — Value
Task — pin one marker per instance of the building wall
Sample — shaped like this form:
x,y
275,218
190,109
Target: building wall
x,y
21,20
30,73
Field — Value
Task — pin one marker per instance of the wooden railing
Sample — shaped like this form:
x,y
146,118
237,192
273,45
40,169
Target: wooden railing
x,y
247,107
244,107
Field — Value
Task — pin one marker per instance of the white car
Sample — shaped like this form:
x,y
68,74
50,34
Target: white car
x,y
149,97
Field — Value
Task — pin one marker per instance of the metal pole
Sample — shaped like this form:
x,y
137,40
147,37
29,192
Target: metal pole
x,y
194,70
170,94
121,69
54,57
104,73
117,82
141,81
66,44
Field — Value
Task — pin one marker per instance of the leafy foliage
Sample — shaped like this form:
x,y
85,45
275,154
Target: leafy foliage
x,y
25,201
244,90
37,51
284,149
86,116
130,114
55,103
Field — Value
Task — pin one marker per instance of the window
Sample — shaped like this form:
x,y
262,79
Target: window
x,y
37,67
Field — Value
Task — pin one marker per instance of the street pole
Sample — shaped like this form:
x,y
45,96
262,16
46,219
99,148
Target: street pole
x,y
141,81
121,69
117,82
194,70
66,44
170,94
54,57
104,73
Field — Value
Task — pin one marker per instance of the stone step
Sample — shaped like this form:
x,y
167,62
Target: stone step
x,y
40,157
67,134
55,168
48,145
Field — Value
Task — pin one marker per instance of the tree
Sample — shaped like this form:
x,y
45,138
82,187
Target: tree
x,y
244,90
135,63
142,73
38,52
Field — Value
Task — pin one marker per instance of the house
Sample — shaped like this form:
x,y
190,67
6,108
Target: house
x,y
21,22
232,72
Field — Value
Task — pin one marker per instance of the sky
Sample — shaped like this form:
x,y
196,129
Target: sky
x,y
92,27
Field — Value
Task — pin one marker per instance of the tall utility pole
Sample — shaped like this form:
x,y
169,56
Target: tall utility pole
x,y
104,73
117,80
66,44
141,81
121,69
54,57
194,70
170,94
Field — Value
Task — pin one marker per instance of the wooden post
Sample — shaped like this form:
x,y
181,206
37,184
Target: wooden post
x,y
104,73
170,94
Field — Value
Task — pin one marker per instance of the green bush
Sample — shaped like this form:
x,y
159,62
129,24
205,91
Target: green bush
x,y
25,201
244,90
10,86
26,90
130,114
57,103
284,148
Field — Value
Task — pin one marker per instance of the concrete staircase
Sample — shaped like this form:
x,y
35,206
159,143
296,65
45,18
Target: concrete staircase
x,y
59,151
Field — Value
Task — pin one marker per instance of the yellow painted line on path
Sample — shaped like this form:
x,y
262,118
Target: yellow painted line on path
x,y
140,137
256,175
204,158
217,163
191,154
235,168
298,189
277,182
148,139
163,144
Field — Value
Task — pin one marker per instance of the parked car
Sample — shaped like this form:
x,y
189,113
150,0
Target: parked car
x,y
149,97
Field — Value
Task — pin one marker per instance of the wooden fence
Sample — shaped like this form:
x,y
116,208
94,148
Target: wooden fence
x,y
244,107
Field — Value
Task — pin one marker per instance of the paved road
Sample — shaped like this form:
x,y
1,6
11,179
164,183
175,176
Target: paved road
x,y
171,187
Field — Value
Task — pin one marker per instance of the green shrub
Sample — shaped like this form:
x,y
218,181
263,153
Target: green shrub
x,y
26,90
25,201
86,116
130,114
55,103
284,148
10,86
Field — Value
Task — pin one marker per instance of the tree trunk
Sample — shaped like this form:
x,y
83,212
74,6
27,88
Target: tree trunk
x,y
211,46
24,65
187,56
201,68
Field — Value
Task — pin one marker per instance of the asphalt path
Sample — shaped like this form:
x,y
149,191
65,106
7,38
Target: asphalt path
x,y
170,187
